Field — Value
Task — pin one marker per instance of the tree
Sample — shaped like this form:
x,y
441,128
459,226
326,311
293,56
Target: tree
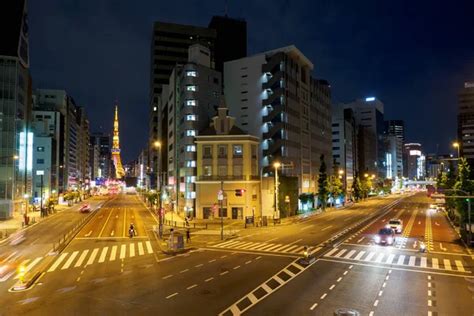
x,y
323,184
463,183
357,188
336,188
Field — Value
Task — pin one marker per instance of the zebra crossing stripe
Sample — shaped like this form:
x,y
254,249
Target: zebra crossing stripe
x,y
447,264
113,253
148,247
411,262
390,258
369,256
132,250
434,263
423,262
92,257
103,254
340,253
359,255
379,258
70,260
33,263
81,258
298,250
141,252
243,245
459,265
349,254
227,243
286,248
262,246
58,262
331,252
123,250
274,247
401,259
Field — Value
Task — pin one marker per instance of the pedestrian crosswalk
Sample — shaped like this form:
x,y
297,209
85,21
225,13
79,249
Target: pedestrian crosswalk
x,y
264,247
451,265
81,258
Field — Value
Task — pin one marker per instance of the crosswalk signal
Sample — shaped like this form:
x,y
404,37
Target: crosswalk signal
x,y
239,192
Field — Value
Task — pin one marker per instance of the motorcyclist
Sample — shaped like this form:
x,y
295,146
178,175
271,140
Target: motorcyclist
x,y
131,229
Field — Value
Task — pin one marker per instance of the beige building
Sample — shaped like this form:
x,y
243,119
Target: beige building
x,y
227,159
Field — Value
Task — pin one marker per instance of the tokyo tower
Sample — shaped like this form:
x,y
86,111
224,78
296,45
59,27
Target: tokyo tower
x,y
119,172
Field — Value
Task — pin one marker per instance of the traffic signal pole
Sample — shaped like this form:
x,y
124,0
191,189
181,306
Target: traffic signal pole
x,y
222,212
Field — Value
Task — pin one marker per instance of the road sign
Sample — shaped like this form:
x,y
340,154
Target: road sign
x,y
220,197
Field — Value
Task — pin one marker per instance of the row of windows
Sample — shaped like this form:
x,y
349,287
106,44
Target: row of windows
x,y
222,151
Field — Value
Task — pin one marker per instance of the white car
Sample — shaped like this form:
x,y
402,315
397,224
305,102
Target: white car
x,y
396,225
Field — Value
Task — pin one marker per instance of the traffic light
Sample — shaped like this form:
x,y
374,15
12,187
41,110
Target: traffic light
x,y
239,192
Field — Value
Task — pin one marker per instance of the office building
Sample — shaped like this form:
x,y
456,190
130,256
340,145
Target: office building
x,y
344,143
15,107
393,157
436,163
169,47
274,97
190,106
415,162
227,162
368,115
103,143
466,122
396,128
231,40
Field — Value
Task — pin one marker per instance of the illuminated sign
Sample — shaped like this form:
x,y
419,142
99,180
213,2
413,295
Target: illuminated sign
x,y
415,153
388,160
469,85
369,99
25,159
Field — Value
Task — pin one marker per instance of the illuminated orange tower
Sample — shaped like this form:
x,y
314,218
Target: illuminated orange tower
x,y
119,172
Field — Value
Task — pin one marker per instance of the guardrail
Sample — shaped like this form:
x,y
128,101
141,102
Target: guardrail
x,y
183,224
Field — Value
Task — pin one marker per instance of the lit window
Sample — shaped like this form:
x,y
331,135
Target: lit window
x,y
238,150
190,117
190,179
207,170
191,163
191,102
154,109
190,148
40,148
190,132
191,88
191,73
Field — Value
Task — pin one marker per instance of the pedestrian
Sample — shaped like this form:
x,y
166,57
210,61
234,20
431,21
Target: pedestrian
x,y
188,235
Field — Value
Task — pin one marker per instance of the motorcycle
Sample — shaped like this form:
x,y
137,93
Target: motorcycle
x,y
422,247
131,232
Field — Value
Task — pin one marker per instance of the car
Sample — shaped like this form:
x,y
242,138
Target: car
x,y
85,208
385,236
396,225
433,206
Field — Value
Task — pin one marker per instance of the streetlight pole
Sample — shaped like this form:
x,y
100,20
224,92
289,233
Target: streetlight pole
x,y
157,145
457,145
277,211
222,211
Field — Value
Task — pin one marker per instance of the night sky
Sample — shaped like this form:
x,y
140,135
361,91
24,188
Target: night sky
x,y
413,55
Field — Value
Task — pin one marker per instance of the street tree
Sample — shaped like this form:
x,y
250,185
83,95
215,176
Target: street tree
x,y
463,183
336,187
357,188
323,184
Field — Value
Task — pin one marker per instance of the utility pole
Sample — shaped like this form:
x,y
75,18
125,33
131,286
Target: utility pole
x,y
222,211
41,194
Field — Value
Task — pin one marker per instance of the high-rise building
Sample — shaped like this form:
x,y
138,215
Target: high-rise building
x,y
231,39
191,104
368,114
466,122
102,142
16,140
273,96
57,114
169,46
396,128
116,158
415,162
344,142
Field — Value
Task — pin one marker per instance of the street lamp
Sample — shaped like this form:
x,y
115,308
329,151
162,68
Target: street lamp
x,y
41,173
276,165
457,146
157,145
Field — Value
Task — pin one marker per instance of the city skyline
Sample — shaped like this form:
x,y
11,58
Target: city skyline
x,y
117,40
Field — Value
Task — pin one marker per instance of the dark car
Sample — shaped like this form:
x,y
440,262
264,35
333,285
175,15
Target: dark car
x,y
385,236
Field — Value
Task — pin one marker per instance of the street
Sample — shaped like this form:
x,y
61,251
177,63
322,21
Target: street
x,y
104,271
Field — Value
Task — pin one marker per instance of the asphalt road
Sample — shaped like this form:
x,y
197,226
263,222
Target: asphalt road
x,y
103,271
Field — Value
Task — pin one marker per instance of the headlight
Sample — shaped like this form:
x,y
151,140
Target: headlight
x,y
390,240
377,239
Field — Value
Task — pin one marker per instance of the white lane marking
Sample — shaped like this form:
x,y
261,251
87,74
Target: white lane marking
x,y
171,295
92,257
148,247
447,264
123,251
167,277
326,228
192,286
376,302
332,286
247,262
141,252
339,280
81,258
103,254
185,270
207,280
212,260
401,259
58,262
8,258
459,265
132,250
380,293
113,253
225,272
306,227
313,306
359,255
198,265
323,296
70,260
236,267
